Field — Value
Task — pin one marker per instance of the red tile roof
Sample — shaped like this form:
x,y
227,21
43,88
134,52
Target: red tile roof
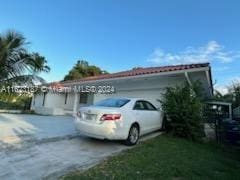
x,y
140,71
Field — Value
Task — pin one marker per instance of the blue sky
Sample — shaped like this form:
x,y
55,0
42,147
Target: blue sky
x,y
119,35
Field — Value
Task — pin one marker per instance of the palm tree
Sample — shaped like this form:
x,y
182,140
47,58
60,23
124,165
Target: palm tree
x,y
16,63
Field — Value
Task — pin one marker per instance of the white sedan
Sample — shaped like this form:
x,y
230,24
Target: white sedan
x,y
119,119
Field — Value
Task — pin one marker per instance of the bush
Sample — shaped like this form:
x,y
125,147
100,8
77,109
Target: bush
x,y
28,112
183,107
15,102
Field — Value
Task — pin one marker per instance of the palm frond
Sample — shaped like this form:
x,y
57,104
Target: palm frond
x,y
16,61
24,80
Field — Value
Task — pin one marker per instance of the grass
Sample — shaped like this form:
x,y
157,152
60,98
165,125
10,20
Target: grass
x,y
167,158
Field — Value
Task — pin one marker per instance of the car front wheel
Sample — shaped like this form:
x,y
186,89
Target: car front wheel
x,y
133,135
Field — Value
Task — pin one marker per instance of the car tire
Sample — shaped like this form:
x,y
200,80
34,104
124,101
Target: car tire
x,y
133,135
164,121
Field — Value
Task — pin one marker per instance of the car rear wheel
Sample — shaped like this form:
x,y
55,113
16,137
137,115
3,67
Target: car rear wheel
x,y
133,135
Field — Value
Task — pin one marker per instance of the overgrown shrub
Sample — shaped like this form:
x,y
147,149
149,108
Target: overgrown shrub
x,y
15,102
183,107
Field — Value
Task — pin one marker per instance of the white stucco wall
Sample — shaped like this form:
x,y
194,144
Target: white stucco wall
x,y
149,88
69,103
54,100
57,102
37,101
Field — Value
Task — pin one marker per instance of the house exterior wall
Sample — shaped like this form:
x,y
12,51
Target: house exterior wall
x,y
201,77
54,100
37,101
69,102
55,103
150,88
90,101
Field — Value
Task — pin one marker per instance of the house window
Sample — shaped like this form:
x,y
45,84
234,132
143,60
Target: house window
x,y
66,97
83,98
44,97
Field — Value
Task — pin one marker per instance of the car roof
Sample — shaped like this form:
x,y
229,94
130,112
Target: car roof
x,y
130,98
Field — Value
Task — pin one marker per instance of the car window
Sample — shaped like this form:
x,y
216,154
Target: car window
x,y
138,105
112,102
143,105
149,106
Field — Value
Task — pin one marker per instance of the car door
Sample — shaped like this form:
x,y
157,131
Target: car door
x,y
141,116
153,115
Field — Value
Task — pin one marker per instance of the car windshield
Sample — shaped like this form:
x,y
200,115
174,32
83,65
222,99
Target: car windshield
x,y
111,102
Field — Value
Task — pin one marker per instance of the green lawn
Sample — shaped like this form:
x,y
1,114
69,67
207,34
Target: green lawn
x,y
167,158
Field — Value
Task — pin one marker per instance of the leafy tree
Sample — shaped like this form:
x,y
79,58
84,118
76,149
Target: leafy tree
x,y
218,96
17,64
82,69
234,93
183,107
232,96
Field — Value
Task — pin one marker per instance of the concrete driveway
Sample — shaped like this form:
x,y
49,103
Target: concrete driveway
x,y
47,147
18,128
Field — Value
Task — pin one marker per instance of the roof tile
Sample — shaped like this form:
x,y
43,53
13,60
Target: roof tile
x,y
140,71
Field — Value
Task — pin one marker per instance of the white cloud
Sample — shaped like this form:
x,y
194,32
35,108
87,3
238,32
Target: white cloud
x,y
222,89
212,51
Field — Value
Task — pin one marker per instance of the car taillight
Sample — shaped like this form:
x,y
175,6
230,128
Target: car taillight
x,y
110,117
